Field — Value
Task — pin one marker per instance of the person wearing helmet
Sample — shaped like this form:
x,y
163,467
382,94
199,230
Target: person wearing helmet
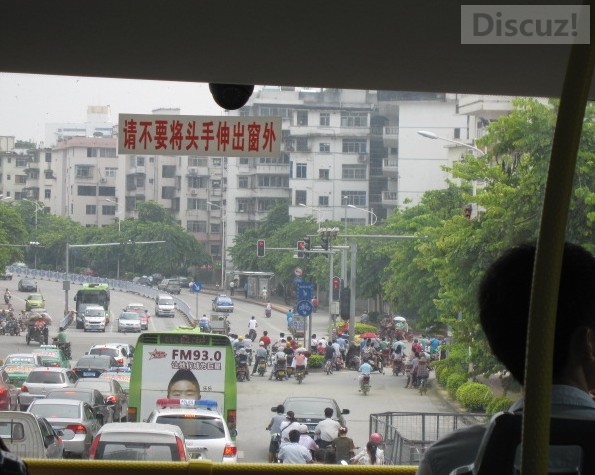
x,y
261,353
242,362
239,343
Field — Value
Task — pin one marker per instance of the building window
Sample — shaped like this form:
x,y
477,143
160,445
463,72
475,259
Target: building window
x,y
323,201
283,159
354,146
356,198
215,249
242,182
302,117
139,181
267,204
354,119
323,174
8,176
47,194
48,157
91,209
83,171
215,228
354,172
216,184
168,192
198,181
87,190
243,205
301,170
108,210
196,226
301,144
197,162
217,161
107,191
102,152
168,171
140,161
300,196
457,134
325,119
273,181
20,179
244,161
196,204
324,147
110,171
21,162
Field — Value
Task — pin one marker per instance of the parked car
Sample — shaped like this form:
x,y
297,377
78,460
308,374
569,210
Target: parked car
x,y
5,275
122,352
171,286
31,436
165,306
41,381
139,441
94,318
75,415
223,303
93,366
9,393
51,355
93,397
310,410
112,392
142,311
27,285
34,301
129,322
205,430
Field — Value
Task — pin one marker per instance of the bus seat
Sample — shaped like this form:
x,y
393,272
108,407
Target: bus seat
x,y
572,447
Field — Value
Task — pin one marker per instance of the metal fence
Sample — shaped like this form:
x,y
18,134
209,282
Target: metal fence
x,y
407,435
120,285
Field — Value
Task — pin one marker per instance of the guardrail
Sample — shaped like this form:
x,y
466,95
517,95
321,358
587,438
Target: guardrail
x,y
407,435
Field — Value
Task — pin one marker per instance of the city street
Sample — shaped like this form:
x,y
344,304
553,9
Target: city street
x,y
257,396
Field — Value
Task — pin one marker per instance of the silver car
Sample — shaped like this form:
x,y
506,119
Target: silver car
x,y
78,416
129,322
42,380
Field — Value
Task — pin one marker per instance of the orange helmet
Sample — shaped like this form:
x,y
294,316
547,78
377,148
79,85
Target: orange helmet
x,y
376,438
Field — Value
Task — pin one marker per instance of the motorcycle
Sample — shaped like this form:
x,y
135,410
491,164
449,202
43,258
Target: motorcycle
x,y
290,368
300,374
398,366
65,347
365,384
12,327
338,363
280,371
252,334
267,312
242,371
262,366
7,298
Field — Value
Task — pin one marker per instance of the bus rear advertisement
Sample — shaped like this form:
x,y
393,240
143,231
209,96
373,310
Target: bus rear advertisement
x,y
182,365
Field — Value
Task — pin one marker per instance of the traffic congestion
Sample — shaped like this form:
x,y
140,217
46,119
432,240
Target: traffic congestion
x,y
272,366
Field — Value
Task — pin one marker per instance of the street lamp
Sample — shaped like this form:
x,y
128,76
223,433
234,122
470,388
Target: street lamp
x,y
38,207
433,136
223,245
119,237
371,213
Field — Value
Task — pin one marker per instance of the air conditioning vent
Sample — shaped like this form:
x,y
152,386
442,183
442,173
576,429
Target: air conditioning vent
x,y
193,192
363,158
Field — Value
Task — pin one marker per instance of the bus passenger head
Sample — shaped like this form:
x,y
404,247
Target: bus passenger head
x,y
504,298
183,385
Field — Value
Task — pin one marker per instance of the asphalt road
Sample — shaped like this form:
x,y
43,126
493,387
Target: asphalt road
x,y
257,396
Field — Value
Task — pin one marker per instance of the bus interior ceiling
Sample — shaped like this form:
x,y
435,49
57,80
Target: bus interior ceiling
x,y
400,46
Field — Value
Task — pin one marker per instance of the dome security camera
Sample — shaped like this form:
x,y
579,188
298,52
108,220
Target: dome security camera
x,y
231,96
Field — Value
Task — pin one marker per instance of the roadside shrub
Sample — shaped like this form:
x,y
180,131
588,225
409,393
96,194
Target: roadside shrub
x,y
365,327
443,371
454,382
474,397
315,361
501,403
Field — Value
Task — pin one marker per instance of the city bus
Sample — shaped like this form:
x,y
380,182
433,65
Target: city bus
x,y
188,357
91,294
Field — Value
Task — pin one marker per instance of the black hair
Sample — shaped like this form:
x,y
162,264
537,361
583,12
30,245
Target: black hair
x,y
280,409
183,374
328,412
504,299
372,448
294,435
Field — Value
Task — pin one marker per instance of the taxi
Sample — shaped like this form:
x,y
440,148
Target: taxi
x,y
52,356
120,374
34,301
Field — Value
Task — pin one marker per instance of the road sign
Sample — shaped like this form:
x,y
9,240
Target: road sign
x,y
304,290
196,287
304,308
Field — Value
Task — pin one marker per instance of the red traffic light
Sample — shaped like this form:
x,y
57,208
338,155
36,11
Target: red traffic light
x,y
301,245
336,283
260,248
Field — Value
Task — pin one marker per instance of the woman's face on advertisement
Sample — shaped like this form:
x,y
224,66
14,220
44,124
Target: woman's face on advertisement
x,y
184,389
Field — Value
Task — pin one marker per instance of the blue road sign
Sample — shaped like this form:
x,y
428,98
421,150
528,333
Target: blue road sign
x,y
196,287
305,290
304,308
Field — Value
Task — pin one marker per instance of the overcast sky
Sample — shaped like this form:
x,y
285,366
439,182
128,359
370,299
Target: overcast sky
x,y
28,102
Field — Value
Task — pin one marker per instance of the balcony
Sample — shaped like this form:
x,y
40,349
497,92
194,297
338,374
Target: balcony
x,y
138,170
487,107
390,199
390,167
390,137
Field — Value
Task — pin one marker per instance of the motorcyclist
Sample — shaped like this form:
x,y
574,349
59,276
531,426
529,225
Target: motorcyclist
x,y
364,370
7,297
261,353
239,343
268,310
252,325
204,324
61,337
242,362
279,360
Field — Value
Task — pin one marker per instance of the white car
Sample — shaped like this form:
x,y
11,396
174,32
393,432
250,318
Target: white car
x,y
94,318
129,322
206,433
139,441
122,352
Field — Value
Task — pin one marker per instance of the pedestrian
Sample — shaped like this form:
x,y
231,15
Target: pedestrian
x,y
232,286
246,290
289,317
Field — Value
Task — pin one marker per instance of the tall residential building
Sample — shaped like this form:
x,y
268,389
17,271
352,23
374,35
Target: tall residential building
x,y
98,124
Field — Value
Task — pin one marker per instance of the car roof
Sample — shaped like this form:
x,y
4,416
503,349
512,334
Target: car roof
x,y
72,402
141,427
51,369
96,357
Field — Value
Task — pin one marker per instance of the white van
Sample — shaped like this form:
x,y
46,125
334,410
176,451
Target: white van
x,y
165,306
94,318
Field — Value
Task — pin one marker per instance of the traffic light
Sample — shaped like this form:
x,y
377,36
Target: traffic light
x,y
301,245
307,243
260,248
345,303
324,242
336,288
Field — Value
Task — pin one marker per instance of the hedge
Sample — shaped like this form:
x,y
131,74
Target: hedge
x,y
498,404
454,382
315,361
474,397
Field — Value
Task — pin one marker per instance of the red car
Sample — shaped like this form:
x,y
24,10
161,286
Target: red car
x,y
9,393
143,314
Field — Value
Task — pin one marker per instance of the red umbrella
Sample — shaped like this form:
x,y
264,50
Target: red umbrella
x,y
368,335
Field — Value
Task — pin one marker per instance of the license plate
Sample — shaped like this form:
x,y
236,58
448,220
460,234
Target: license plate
x,y
88,373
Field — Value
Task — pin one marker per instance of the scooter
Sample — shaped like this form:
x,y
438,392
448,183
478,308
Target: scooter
x,y
267,312
365,384
398,366
242,372
281,371
300,374
12,327
262,366
65,347
252,334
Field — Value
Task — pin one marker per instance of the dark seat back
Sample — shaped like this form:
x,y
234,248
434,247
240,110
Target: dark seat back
x,y
572,447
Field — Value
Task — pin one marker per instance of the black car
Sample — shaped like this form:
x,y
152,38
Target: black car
x,y
310,410
27,285
93,366
93,397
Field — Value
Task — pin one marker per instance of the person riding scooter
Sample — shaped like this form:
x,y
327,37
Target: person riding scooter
x,y
7,297
364,370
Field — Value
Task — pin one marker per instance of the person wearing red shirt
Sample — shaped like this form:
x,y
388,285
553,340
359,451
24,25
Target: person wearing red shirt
x,y
265,339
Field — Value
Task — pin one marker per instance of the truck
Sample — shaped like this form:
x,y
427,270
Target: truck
x,y
219,324
91,294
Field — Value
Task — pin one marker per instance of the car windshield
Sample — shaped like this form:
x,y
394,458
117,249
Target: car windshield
x,y
93,363
195,427
19,360
224,301
314,408
56,411
104,351
74,395
129,316
164,301
137,451
35,297
45,377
